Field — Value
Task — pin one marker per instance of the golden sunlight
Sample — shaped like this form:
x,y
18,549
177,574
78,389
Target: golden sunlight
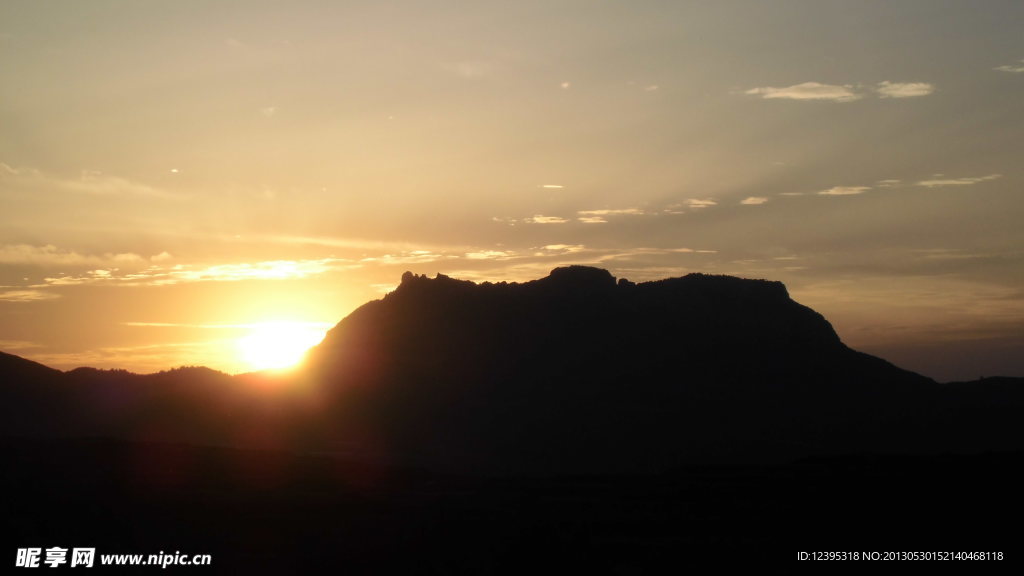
x,y
278,345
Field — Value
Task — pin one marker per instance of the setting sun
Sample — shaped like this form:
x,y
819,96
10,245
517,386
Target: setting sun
x,y
278,345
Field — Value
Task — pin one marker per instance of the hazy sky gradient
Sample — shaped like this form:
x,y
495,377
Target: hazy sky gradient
x,y
216,164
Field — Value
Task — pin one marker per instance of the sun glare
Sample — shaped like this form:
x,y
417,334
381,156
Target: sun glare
x,y
278,345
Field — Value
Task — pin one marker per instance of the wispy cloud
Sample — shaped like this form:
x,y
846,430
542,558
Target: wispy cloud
x,y
18,345
50,255
612,212
940,182
842,92
181,273
1012,68
565,248
949,254
552,186
753,201
592,220
409,257
26,295
700,203
91,182
630,253
96,182
903,89
888,183
808,91
540,219
490,255
844,191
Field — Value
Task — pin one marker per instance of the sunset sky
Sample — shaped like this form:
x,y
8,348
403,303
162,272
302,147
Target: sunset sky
x,y
175,174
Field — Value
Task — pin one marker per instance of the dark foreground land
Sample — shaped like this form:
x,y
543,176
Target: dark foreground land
x,y
279,513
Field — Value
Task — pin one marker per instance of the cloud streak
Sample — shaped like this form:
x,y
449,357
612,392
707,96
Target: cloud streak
x,y
51,256
610,212
490,255
89,182
943,182
842,92
179,274
1012,68
541,219
26,295
808,91
565,248
410,257
903,89
844,191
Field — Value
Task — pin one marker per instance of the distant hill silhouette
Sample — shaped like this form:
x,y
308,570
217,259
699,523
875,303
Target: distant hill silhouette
x,y
572,372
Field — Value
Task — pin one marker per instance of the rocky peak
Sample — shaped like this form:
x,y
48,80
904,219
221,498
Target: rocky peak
x,y
580,278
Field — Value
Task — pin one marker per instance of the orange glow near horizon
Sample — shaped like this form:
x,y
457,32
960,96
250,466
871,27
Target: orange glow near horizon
x,y
278,345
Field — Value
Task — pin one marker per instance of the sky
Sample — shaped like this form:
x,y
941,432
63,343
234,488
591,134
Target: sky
x,y
178,176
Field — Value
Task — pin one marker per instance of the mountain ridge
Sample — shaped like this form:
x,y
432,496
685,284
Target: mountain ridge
x,y
692,368
574,372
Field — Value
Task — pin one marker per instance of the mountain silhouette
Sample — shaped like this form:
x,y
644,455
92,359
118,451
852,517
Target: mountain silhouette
x,y
578,371
574,372
578,422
